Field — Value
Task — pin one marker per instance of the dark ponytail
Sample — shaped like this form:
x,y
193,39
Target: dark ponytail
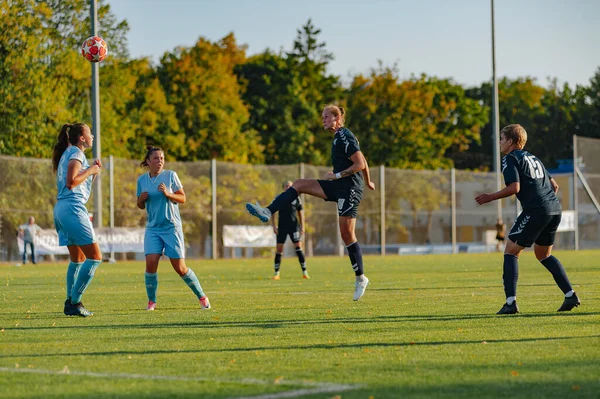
x,y
69,134
150,149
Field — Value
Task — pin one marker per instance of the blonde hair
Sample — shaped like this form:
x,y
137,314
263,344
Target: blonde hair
x,y
516,133
336,111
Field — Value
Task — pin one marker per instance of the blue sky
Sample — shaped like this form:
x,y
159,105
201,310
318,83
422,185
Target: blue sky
x,y
444,38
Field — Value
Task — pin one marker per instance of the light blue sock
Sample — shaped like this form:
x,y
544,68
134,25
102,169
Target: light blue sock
x,y
151,285
84,278
192,281
72,275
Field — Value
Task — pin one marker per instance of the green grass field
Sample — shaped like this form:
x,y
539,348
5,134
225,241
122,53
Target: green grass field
x,y
426,327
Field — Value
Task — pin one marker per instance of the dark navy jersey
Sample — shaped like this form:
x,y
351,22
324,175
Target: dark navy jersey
x,y
536,194
344,146
288,215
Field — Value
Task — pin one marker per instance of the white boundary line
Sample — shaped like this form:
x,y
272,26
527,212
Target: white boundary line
x,y
303,392
311,387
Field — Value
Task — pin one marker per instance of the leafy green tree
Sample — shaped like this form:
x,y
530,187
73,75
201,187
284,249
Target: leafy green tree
x,y
412,123
285,94
588,108
44,82
199,82
519,101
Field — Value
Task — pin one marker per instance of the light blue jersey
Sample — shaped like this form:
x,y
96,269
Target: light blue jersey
x,y
81,193
71,217
162,213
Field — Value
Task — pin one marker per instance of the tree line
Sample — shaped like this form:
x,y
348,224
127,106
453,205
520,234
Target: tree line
x,y
212,100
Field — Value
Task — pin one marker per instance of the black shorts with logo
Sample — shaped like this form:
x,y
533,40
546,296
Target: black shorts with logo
x,y
532,228
283,234
347,197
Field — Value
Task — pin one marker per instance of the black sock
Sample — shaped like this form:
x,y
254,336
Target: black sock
x,y
301,258
510,275
355,254
277,262
284,198
558,272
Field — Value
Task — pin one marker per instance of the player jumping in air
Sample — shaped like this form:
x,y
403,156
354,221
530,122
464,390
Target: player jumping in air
x,y
344,186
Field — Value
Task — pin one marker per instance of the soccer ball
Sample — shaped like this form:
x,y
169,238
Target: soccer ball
x,y
94,49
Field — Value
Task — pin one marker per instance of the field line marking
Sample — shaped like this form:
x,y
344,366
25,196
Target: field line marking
x,y
317,387
303,392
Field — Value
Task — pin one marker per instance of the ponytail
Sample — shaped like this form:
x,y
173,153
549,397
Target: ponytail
x,y
69,134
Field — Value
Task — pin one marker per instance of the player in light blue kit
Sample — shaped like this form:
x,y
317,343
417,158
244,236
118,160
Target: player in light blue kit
x,y
160,192
74,177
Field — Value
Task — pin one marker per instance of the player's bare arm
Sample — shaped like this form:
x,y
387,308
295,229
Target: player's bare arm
x,y
76,176
554,185
507,191
178,196
301,221
274,223
358,165
367,175
141,201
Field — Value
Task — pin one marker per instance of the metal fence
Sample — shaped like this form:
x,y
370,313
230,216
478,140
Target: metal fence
x,y
585,199
408,209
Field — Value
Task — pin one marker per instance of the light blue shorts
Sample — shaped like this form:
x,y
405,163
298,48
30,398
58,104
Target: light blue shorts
x,y
170,242
73,224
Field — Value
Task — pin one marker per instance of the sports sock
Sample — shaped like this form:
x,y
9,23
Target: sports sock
x,y
510,300
84,278
301,258
355,254
510,275
558,272
284,198
72,275
192,281
151,285
277,263
569,294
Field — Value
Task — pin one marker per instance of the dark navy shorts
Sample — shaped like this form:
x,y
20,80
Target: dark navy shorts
x,y
538,229
283,234
347,198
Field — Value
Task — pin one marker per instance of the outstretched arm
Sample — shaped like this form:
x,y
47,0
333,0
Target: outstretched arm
x,y
507,191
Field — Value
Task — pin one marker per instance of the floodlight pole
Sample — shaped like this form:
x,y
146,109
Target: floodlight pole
x,y
95,103
495,119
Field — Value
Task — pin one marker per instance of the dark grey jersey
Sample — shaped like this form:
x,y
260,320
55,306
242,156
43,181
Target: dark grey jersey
x,y
536,194
344,146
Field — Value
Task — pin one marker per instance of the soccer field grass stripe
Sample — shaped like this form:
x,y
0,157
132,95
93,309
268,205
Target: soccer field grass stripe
x,y
317,387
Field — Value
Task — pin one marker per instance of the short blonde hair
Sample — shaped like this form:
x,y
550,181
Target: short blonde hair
x,y
336,111
516,133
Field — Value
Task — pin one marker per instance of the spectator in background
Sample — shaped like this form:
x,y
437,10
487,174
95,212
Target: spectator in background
x,y
28,232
